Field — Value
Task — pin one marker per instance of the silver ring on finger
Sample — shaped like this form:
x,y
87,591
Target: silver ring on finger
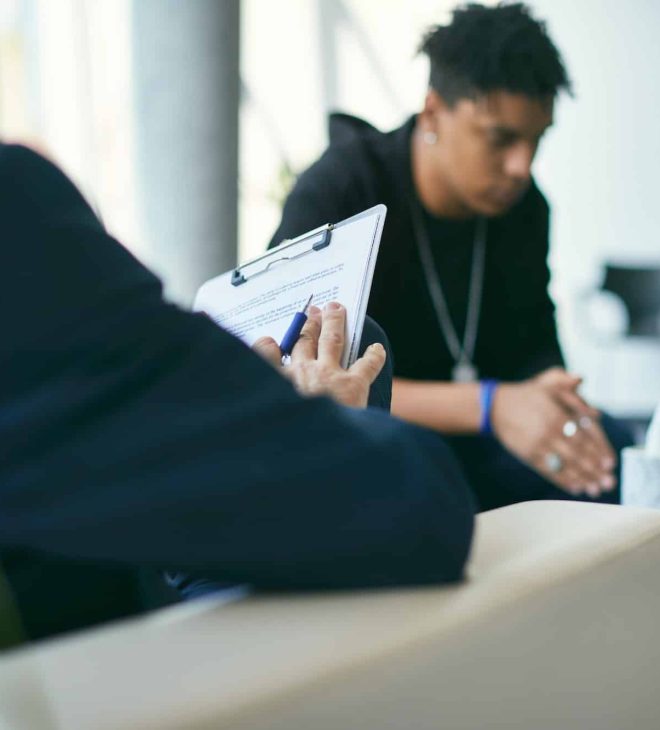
x,y
585,422
569,429
554,462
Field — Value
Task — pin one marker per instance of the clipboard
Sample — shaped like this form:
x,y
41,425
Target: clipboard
x,y
334,262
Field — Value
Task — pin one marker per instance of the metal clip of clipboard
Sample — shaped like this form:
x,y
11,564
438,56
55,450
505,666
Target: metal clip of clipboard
x,y
323,234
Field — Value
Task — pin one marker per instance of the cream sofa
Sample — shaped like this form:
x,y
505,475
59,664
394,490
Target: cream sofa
x,y
555,628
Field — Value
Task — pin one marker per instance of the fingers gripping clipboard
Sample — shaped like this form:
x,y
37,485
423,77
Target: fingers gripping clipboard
x,y
332,263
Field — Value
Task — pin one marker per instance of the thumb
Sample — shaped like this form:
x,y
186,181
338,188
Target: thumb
x,y
559,378
371,363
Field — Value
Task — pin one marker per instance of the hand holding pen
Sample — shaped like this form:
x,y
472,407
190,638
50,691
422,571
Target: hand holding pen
x,y
315,367
292,335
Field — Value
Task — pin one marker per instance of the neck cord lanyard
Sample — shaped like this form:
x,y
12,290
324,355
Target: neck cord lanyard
x,y
464,369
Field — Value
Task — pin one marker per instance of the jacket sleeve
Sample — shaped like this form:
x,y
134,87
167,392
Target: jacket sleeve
x,y
536,336
136,433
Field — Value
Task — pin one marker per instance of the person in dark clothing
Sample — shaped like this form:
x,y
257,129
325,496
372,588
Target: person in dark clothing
x,y
135,435
461,282
187,587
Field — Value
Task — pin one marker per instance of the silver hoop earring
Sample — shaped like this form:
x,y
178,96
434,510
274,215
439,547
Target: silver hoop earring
x,y
430,137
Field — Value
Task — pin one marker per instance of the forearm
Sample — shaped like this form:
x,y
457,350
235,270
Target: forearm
x,y
210,463
446,407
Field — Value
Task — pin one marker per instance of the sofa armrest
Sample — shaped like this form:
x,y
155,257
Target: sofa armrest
x,y
555,627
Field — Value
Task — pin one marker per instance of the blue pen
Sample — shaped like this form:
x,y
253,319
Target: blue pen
x,y
293,333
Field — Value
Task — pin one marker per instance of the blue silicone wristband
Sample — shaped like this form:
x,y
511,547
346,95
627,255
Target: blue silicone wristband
x,y
486,394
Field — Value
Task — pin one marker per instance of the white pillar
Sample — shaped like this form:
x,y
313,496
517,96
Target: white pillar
x,y
186,59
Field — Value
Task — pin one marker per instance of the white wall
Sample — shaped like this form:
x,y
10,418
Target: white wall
x,y
66,89
600,166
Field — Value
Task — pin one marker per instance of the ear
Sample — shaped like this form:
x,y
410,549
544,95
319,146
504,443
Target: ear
x,y
434,105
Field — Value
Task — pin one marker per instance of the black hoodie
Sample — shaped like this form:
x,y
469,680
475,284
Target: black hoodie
x,y
517,335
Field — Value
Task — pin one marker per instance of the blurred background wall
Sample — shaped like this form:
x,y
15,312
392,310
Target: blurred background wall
x,y
188,160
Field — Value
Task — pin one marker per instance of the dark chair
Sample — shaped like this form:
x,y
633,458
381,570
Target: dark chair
x,y
639,290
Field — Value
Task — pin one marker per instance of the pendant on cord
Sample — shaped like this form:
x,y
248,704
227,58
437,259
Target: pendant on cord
x,y
464,372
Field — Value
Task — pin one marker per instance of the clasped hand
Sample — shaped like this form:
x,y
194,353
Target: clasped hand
x,y
315,366
545,423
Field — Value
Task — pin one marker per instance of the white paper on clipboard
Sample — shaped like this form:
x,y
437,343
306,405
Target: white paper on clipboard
x,y
260,297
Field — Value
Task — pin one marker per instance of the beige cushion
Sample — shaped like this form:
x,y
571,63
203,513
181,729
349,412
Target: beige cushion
x,y
556,628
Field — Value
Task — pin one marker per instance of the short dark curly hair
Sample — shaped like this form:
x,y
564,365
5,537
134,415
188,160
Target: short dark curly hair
x,y
486,49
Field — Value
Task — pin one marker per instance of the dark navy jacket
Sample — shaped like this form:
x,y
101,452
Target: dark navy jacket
x,y
134,434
